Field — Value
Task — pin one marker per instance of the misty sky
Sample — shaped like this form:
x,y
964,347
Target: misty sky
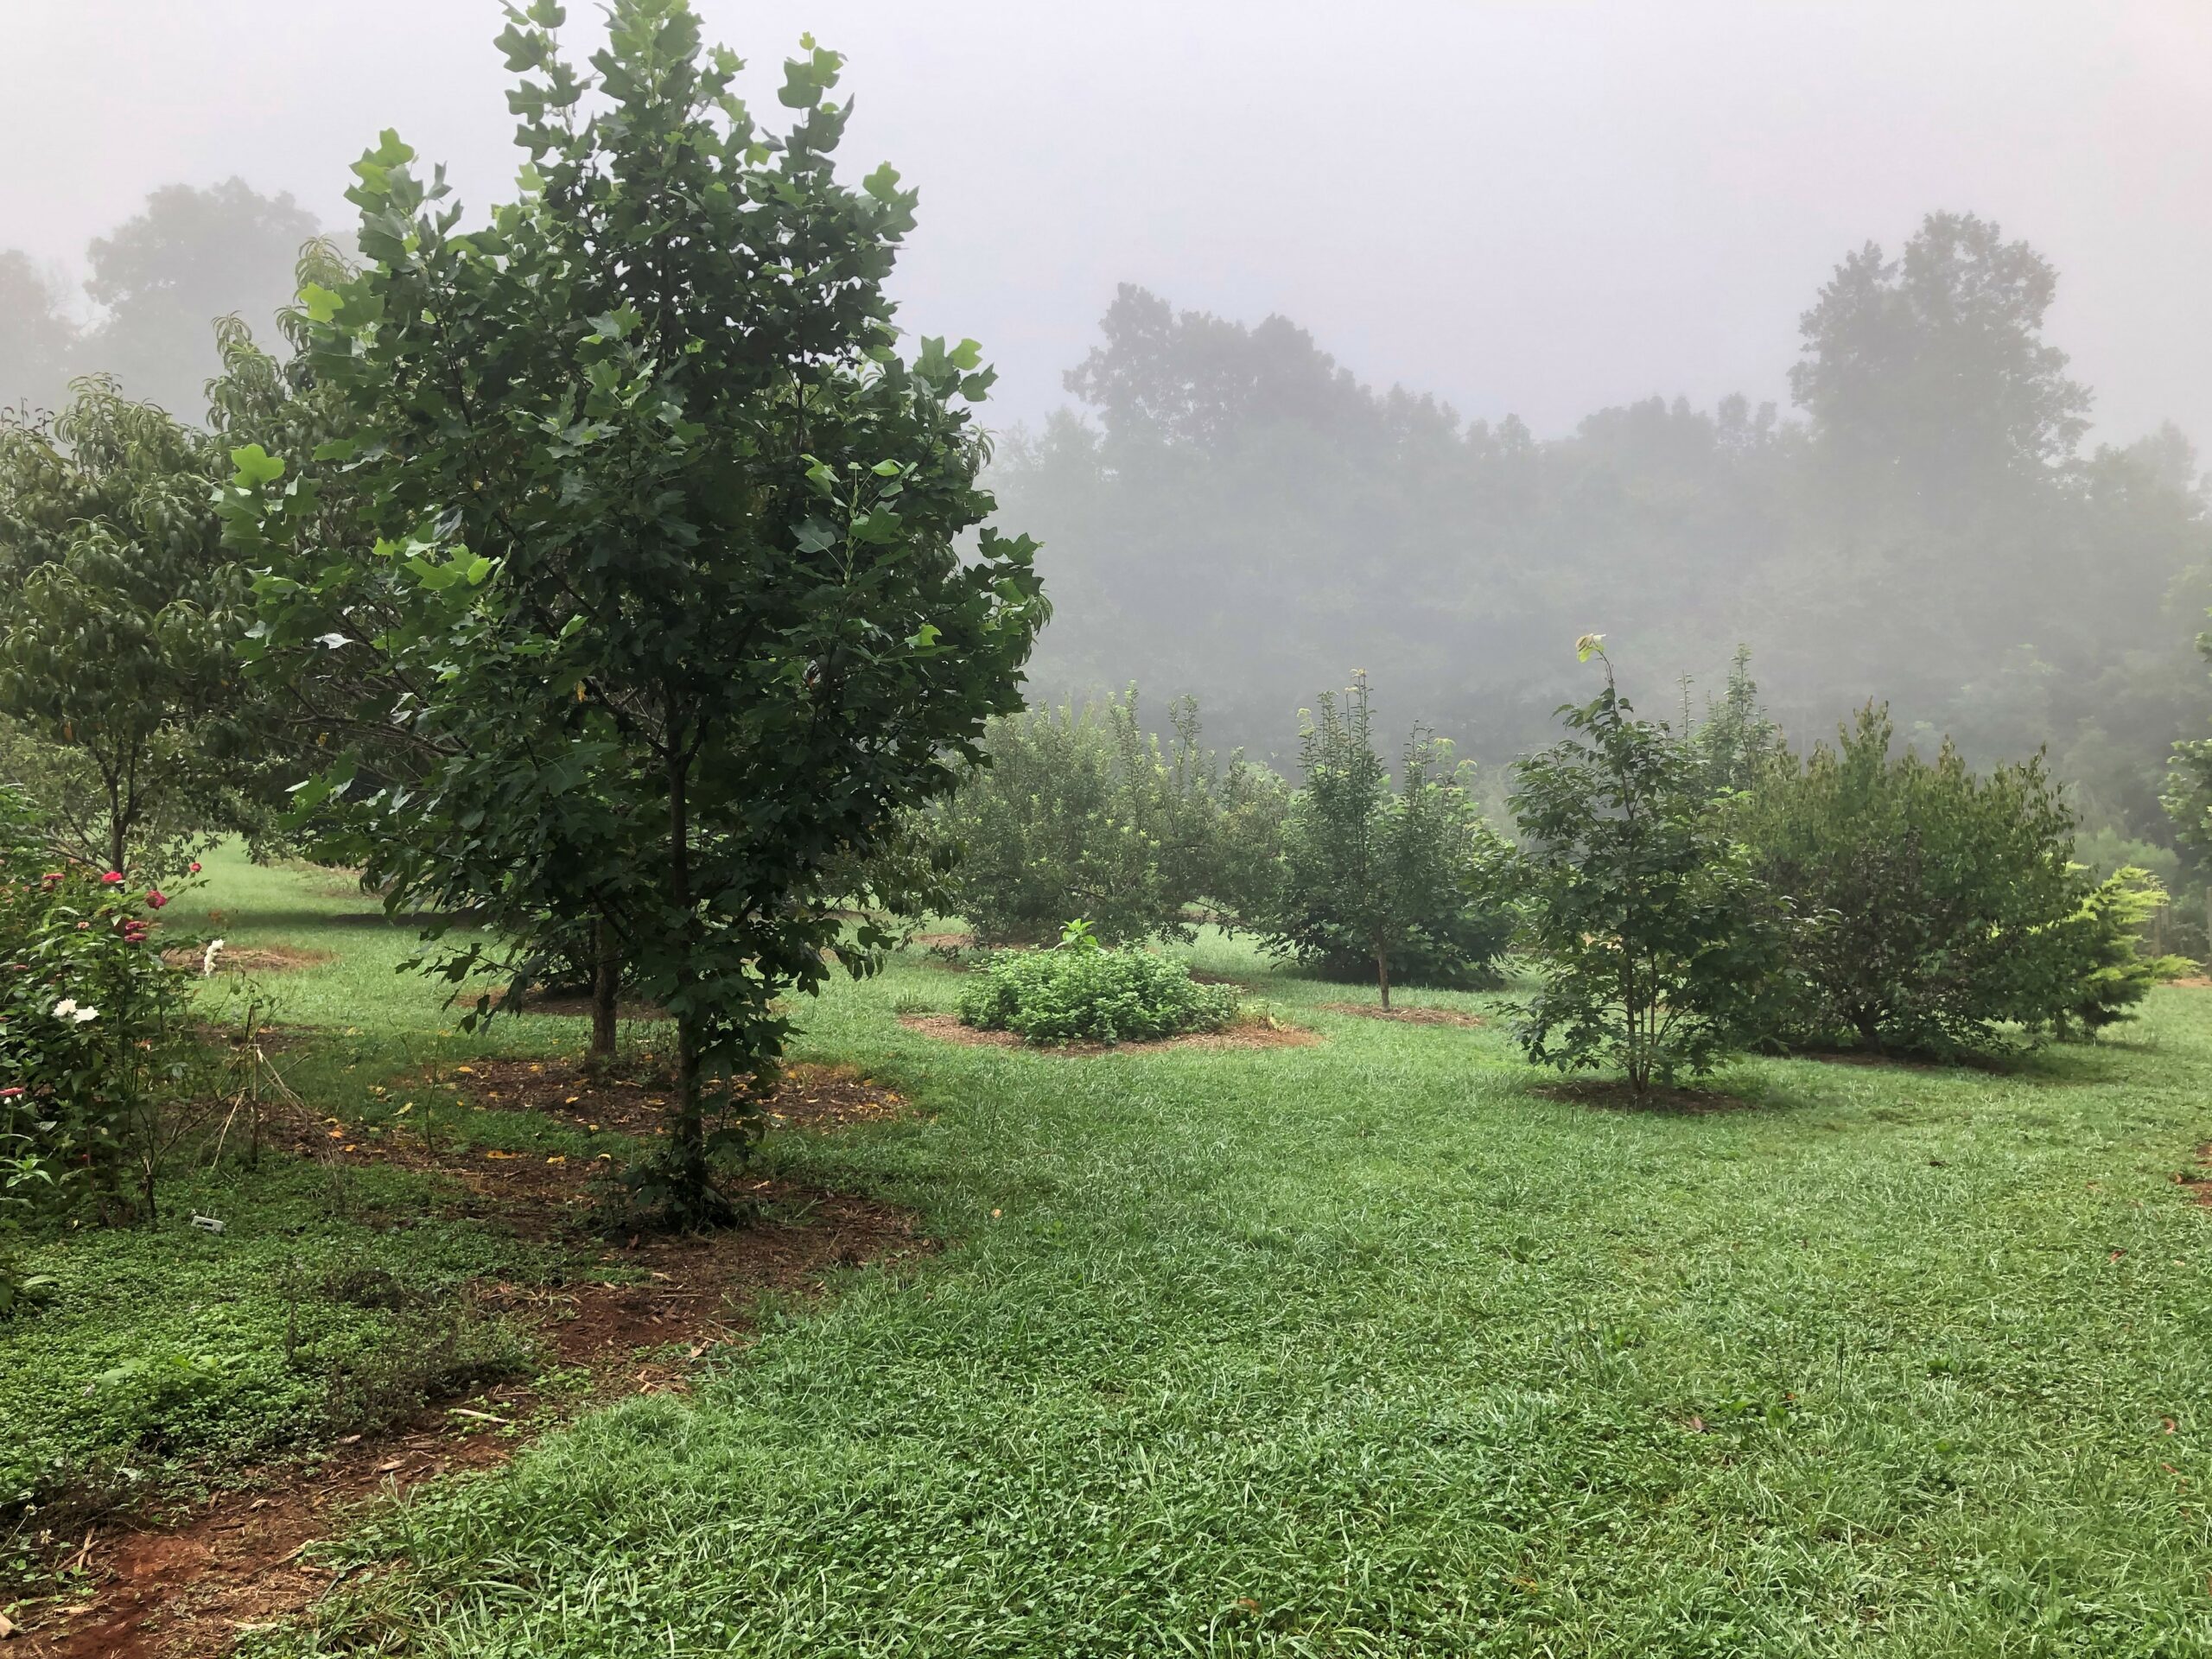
x,y
1540,208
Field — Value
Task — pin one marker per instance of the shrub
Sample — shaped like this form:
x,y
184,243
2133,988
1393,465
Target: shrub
x,y
1375,881
94,1045
1082,811
1927,907
1654,937
2115,975
1082,993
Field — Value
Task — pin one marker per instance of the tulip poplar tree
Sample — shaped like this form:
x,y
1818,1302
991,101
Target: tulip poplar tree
x,y
659,544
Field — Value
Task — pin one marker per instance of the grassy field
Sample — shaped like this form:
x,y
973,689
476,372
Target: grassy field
x,y
1375,1347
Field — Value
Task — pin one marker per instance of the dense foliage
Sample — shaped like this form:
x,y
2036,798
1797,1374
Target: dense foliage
x,y
2116,972
1082,992
669,530
1375,879
1230,506
1082,811
120,610
1653,935
96,1050
1927,904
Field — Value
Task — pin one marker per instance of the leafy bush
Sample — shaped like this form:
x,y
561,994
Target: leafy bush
x,y
2115,975
1653,933
1082,993
1082,811
94,1045
1375,881
1927,907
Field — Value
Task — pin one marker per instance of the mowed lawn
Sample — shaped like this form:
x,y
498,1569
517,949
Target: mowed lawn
x,y
1375,1347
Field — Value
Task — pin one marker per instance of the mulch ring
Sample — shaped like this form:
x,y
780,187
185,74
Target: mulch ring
x,y
639,1314
248,958
1261,1031
807,1096
1613,1095
1408,1016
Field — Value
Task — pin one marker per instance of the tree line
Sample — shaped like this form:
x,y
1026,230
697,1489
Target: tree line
x,y
1226,505
1680,892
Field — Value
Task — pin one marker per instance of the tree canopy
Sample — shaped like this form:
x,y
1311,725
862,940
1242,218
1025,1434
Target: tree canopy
x,y
666,529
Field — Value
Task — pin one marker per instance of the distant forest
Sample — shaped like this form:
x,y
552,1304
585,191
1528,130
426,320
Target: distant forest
x,y
1231,514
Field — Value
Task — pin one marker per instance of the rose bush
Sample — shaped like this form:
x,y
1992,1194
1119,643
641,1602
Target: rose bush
x,y
94,1041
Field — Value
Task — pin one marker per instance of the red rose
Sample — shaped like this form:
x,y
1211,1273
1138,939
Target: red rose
x,y
10,1094
156,898
113,878
195,867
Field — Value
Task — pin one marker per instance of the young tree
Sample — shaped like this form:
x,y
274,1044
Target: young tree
x,y
662,540
2116,972
1375,875
1736,741
1926,905
122,614
1653,935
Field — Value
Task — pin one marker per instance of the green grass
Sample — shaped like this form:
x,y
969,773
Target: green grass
x,y
1374,1348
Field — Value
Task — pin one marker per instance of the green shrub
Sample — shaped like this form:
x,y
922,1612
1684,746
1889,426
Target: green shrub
x,y
1081,993
2115,974
1927,906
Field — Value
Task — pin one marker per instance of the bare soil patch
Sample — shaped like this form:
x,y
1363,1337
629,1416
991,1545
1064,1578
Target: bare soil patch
x,y
638,1315
1409,1016
1245,1034
1612,1095
808,1097
944,941
249,958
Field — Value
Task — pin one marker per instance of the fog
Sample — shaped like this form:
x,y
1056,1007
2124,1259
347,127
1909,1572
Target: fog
x,y
1538,209
1532,219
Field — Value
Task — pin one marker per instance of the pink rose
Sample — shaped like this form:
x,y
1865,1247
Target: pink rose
x,y
195,867
113,878
156,898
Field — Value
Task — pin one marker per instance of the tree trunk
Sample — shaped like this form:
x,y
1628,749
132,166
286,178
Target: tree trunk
x,y
692,1200
606,982
1382,975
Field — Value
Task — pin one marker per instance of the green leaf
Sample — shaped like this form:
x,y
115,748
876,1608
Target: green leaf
x,y
255,466
883,183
